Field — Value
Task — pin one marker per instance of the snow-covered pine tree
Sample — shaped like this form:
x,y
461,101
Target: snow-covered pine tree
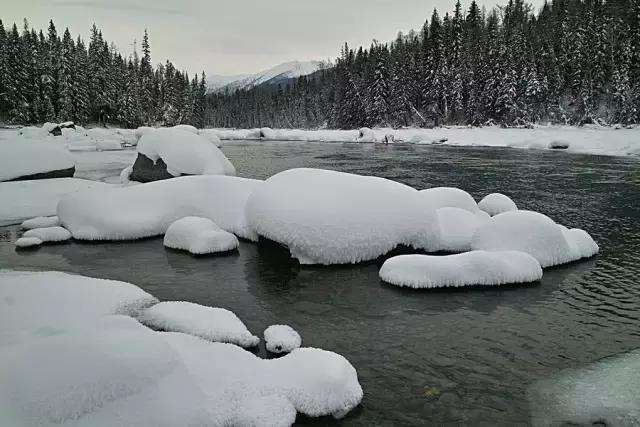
x,y
65,78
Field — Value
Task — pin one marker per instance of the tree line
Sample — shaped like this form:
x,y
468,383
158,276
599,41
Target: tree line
x,y
48,78
570,62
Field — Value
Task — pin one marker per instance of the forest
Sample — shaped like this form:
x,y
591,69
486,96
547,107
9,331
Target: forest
x,y
570,62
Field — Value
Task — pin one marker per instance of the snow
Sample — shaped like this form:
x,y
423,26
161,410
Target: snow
x,y
125,175
440,197
604,393
287,70
27,242
457,227
497,203
184,153
212,136
23,200
199,236
327,217
186,128
267,133
535,234
22,158
281,339
41,222
49,234
467,269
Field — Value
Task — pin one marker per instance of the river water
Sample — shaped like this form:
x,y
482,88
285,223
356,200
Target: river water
x,y
444,357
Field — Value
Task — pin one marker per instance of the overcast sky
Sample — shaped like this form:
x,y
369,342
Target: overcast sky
x,y
233,36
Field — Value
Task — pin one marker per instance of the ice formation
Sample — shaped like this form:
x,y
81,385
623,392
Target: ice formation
x,y
457,227
440,197
281,339
327,217
125,213
27,242
199,236
535,234
209,323
49,234
497,203
24,158
41,222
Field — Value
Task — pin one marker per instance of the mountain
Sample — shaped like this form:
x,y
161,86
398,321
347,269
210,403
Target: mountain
x,y
279,73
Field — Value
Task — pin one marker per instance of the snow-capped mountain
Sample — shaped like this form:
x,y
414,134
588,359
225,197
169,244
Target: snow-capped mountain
x,y
288,70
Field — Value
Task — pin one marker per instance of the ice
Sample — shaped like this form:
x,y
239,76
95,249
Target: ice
x,y
23,200
497,203
184,153
327,217
209,323
605,393
281,339
41,222
467,269
535,234
27,242
457,227
49,234
23,158
125,213
440,197
199,236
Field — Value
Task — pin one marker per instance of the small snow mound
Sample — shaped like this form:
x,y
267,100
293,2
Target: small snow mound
x,y
535,234
559,145
267,133
186,128
209,323
467,269
497,203
440,197
199,236
281,339
27,242
212,136
366,135
41,222
49,234
21,159
457,227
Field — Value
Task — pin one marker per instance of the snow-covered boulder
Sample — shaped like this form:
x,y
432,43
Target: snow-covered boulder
x,y
281,339
181,152
440,197
138,211
41,222
267,133
49,234
186,128
33,133
28,242
467,269
457,227
199,236
559,144
209,323
327,217
497,203
27,160
366,135
535,234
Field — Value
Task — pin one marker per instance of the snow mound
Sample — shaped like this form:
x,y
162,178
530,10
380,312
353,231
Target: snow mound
x,y
605,393
142,130
25,158
497,203
49,234
327,217
440,197
535,234
41,222
184,153
366,135
27,242
457,227
134,212
267,133
212,136
199,236
209,323
467,269
281,339
186,128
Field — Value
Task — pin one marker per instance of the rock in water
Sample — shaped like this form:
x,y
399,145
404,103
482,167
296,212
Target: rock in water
x,y
144,170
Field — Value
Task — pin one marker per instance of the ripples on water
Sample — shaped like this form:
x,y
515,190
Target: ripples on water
x,y
444,357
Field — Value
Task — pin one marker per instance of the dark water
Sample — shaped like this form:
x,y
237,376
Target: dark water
x,y
449,357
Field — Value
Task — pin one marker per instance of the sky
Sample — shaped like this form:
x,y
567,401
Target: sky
x,y
230,37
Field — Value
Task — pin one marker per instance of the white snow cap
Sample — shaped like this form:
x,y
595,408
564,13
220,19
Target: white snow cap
x,y
457,227
210,323
41,222
23,158
535,234
281,339
439,197
199,236
125,213
497,203
49,234
27,242
467,269
327,217
186,128
184,152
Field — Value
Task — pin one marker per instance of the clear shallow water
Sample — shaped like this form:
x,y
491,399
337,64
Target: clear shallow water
x,y
447,357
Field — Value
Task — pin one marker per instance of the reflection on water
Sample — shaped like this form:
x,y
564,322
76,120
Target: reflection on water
x,y
439,357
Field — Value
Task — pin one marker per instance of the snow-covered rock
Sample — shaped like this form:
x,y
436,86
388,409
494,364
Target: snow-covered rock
x,y
457,227
27,242
281,339
186,128
142,130
497,203
49,234
125,213
440,197
267,133
199,236
366,135
327,217
41,222
22,160
535,234
467,269
209,323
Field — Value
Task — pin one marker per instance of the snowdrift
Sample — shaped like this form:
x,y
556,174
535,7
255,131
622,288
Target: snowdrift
x,y
199,236
281,339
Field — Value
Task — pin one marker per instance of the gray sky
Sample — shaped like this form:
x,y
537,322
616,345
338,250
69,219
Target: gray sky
x,y
233,36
